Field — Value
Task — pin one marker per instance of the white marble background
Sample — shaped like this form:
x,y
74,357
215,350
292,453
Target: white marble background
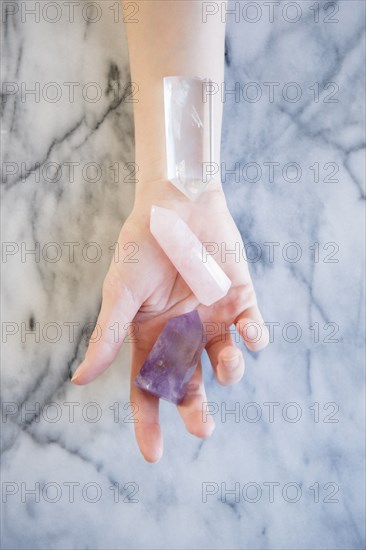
x,y
45,135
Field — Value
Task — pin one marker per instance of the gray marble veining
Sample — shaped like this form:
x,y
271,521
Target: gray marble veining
x,y
293,166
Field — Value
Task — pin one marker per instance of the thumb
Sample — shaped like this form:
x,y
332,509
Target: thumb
x,y
118,310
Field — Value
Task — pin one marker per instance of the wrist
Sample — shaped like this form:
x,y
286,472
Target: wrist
x,y
160,189
163,193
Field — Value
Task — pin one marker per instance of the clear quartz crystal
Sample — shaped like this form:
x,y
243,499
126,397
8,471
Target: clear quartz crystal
x,y
188,133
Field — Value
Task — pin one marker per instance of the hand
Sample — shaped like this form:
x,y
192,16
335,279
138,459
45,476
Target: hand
x,y
151,291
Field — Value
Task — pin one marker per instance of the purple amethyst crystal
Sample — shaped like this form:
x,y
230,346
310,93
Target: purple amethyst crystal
x,y
173,358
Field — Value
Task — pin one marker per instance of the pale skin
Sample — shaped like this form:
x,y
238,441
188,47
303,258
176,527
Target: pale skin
x,y
149,292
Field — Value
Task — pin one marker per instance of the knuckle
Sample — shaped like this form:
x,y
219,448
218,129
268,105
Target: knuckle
x,y
241,298
194,389
110,285
115,289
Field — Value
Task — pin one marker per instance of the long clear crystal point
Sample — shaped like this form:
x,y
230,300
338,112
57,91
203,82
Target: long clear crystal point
x,y
188,133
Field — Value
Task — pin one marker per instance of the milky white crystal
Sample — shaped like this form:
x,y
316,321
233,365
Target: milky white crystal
x,y
200,271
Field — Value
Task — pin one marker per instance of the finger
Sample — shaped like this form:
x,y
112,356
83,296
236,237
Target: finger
x,y
193,405
118,310
226,359
147,427
252,329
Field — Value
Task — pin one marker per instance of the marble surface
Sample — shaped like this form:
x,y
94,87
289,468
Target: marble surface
x,y
293,451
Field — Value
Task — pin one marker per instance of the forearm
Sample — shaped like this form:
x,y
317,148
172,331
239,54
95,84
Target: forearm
x,y
169,39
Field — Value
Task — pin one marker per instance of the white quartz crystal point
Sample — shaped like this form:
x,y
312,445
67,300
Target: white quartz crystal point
x,y
189,133
200,271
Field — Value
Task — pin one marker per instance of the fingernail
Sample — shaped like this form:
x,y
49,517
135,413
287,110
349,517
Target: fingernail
x,y
76,375
231,364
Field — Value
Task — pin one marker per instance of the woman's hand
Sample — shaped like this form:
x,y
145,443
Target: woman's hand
x,y
150,291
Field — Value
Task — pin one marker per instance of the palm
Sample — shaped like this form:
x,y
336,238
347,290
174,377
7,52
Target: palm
x,y
149,291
